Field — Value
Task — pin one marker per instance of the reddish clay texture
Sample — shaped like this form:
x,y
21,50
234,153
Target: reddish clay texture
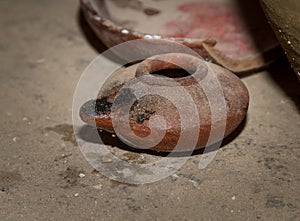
x,y
235,94
216,21
215,31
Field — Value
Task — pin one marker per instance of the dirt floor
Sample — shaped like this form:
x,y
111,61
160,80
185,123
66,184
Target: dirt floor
x,y
45,46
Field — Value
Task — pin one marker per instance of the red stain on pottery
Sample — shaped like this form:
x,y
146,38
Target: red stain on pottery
x,y
219,21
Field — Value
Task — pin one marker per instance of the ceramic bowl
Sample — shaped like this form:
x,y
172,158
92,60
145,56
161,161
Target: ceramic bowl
x,y
234,34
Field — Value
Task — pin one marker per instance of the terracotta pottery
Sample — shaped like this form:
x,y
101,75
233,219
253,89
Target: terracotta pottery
x,y
234,34
159,73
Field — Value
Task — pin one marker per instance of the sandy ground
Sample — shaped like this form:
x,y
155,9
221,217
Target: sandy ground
x,y
44,48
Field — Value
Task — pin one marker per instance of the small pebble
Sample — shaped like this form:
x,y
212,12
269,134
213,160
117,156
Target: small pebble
x,y
40,61
195,183
3,189
15,139
175,176
233,197
81,175
106,160
113,135
76,194
282,101
289,42
98,186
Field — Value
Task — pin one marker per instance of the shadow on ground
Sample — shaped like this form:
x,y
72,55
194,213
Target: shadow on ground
x,y
87,133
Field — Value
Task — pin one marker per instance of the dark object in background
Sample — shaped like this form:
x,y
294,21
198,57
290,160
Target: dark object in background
x,y
284,17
